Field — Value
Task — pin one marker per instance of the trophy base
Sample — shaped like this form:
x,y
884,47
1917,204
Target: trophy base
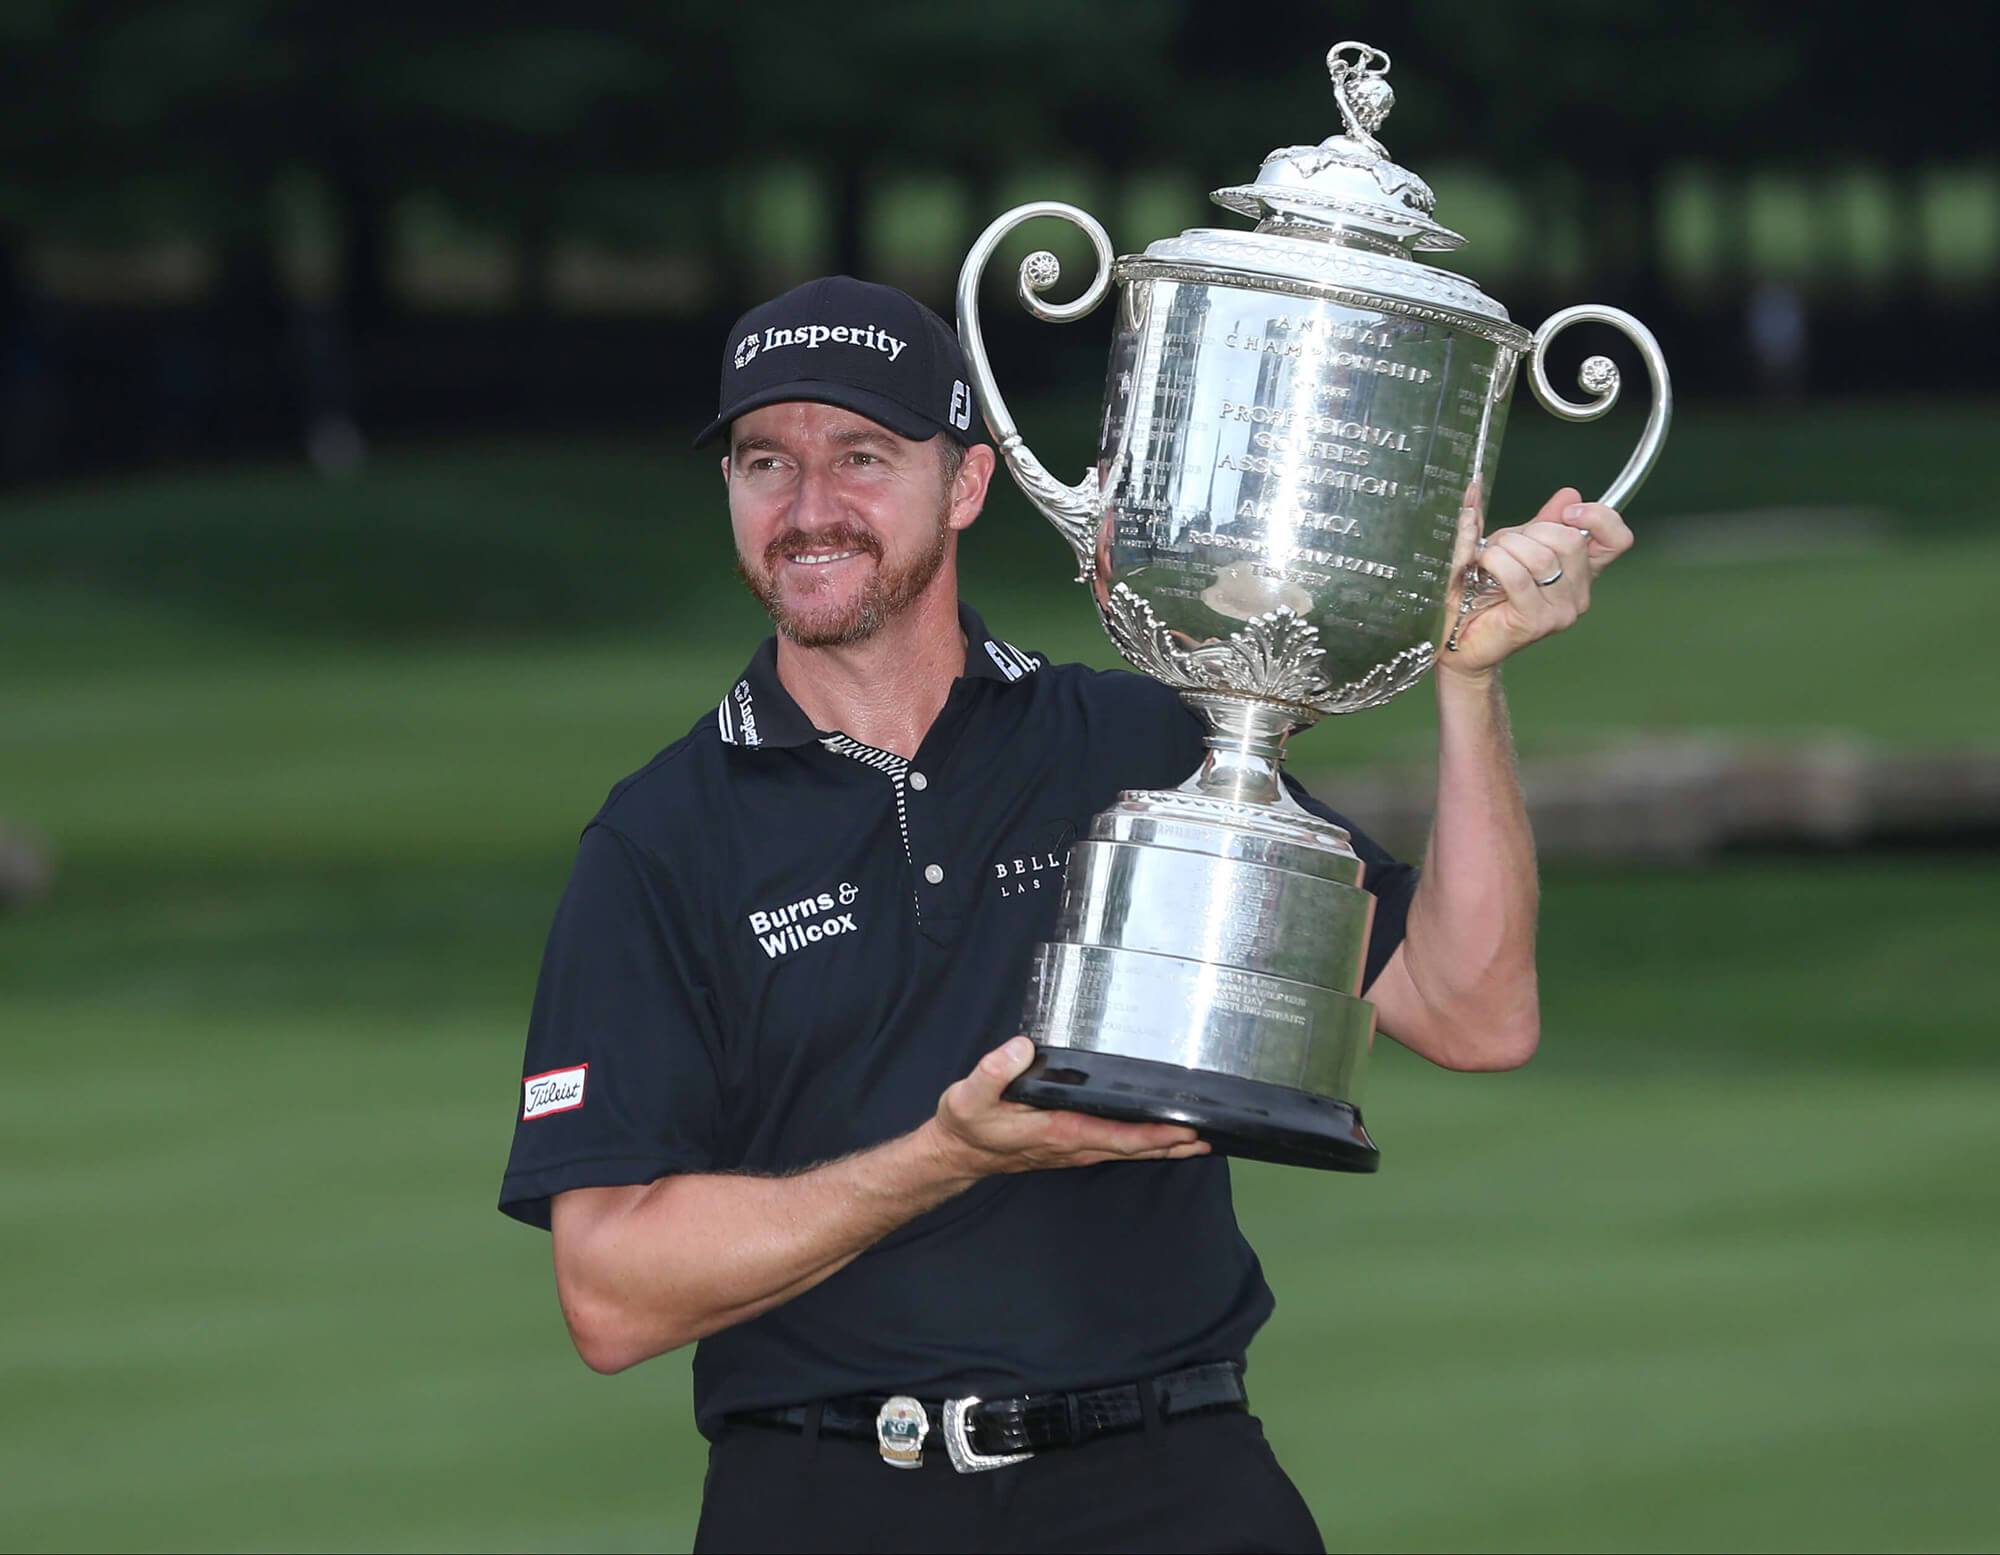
x,y
1253,1119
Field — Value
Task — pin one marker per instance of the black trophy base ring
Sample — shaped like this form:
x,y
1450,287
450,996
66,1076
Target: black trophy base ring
x,y
1248,1118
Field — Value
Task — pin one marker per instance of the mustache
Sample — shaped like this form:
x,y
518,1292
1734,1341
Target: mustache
x,y
836,537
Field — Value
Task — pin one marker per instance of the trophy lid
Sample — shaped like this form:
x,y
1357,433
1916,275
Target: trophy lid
x,y
1338,220
1345,190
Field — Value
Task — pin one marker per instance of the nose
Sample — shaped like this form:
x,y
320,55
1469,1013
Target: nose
x,y
815,500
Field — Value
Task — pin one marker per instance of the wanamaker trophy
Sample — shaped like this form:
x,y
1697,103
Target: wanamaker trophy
x,y
1301,425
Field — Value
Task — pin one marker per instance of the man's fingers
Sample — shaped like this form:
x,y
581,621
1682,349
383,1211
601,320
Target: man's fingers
x,y
1001,1067
1079,1131
1516,577
1184,1152
1566,540
1552,510
977,1097
1607,535
1570,566
1537,555
1606,531
1031,1137
1193,1147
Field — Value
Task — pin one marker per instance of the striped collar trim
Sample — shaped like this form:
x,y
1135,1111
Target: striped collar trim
x,y
759,710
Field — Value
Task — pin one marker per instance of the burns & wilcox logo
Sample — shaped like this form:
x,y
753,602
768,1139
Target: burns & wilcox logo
x,y
793,926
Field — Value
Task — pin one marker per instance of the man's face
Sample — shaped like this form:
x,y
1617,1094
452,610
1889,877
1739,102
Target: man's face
x,y
840,524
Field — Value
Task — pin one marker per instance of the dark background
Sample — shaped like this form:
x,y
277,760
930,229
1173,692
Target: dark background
x,y
225,223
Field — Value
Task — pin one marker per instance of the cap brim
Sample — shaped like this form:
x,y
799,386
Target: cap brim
x,y
897,417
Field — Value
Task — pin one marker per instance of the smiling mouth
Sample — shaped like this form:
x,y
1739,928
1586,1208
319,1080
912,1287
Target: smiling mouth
x,y
821,558
828,546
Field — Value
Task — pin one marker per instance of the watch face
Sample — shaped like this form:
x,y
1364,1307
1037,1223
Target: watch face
x,y
900,1428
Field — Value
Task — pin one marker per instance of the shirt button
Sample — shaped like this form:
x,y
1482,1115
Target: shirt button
x,y
919,782
934,873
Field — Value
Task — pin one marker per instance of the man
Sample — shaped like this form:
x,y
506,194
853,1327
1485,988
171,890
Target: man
x,y
763,1107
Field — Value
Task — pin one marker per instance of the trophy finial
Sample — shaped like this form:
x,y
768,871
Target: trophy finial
x,y
1361,89
1346,190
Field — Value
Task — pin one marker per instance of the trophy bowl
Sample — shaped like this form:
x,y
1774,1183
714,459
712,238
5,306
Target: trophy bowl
x,y
1300,425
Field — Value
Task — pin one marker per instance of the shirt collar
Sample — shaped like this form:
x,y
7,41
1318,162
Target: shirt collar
x,y
759,710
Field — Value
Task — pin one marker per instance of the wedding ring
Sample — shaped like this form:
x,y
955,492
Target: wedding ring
x,y
1545,582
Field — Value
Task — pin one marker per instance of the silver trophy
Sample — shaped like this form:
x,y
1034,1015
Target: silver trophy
x,y
1301,423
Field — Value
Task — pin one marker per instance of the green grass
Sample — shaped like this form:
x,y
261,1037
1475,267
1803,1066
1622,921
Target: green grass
x,y
1675,1286
1715,1272
509,542
1702,1312
400,748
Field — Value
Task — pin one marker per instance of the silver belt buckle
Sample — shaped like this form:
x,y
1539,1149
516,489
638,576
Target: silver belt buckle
x,y
966,1458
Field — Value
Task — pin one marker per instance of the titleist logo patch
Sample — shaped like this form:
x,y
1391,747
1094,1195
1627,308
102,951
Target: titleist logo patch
x,y
555,1090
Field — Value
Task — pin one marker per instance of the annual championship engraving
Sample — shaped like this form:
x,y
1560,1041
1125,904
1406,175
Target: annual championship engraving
x,y
1301,428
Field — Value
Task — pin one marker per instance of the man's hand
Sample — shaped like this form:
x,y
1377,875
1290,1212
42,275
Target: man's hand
x,y
978,1134
1569,542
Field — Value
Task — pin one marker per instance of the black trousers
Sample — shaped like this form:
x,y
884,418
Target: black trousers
x,y
1200,1483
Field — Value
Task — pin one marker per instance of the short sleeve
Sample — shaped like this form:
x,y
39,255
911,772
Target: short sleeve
x,y
620,1081
1390,881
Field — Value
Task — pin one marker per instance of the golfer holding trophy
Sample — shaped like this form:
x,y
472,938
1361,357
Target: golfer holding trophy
x,y
773,1093
1301,424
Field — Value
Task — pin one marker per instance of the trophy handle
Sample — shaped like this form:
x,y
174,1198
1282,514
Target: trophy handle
x,y
1072,509
1599,376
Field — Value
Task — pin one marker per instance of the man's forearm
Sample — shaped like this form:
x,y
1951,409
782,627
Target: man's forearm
x,y
1468,957
647,1269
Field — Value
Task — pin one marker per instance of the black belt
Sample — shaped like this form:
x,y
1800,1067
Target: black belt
x,y
976,1431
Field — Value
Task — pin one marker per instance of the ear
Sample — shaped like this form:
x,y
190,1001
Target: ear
x,y
726,462
968,490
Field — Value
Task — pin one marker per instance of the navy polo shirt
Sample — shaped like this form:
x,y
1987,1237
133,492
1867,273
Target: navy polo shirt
x,y
780,945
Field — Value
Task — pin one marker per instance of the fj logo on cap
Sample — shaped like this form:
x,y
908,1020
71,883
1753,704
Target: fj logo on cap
x,y
554,1090
961,405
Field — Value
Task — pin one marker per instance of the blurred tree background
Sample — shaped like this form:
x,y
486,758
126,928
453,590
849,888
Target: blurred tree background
x,y
246,225
350,549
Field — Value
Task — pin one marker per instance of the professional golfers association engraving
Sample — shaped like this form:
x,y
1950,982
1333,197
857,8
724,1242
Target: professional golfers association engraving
x,y
1301,426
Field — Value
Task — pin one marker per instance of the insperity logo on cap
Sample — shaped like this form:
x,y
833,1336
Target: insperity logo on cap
x,y
838,341
813,336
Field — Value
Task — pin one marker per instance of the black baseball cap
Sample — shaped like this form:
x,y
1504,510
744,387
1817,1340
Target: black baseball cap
x,y
867,348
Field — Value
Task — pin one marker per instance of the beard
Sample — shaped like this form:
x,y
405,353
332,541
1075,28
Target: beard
x,y
886,595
